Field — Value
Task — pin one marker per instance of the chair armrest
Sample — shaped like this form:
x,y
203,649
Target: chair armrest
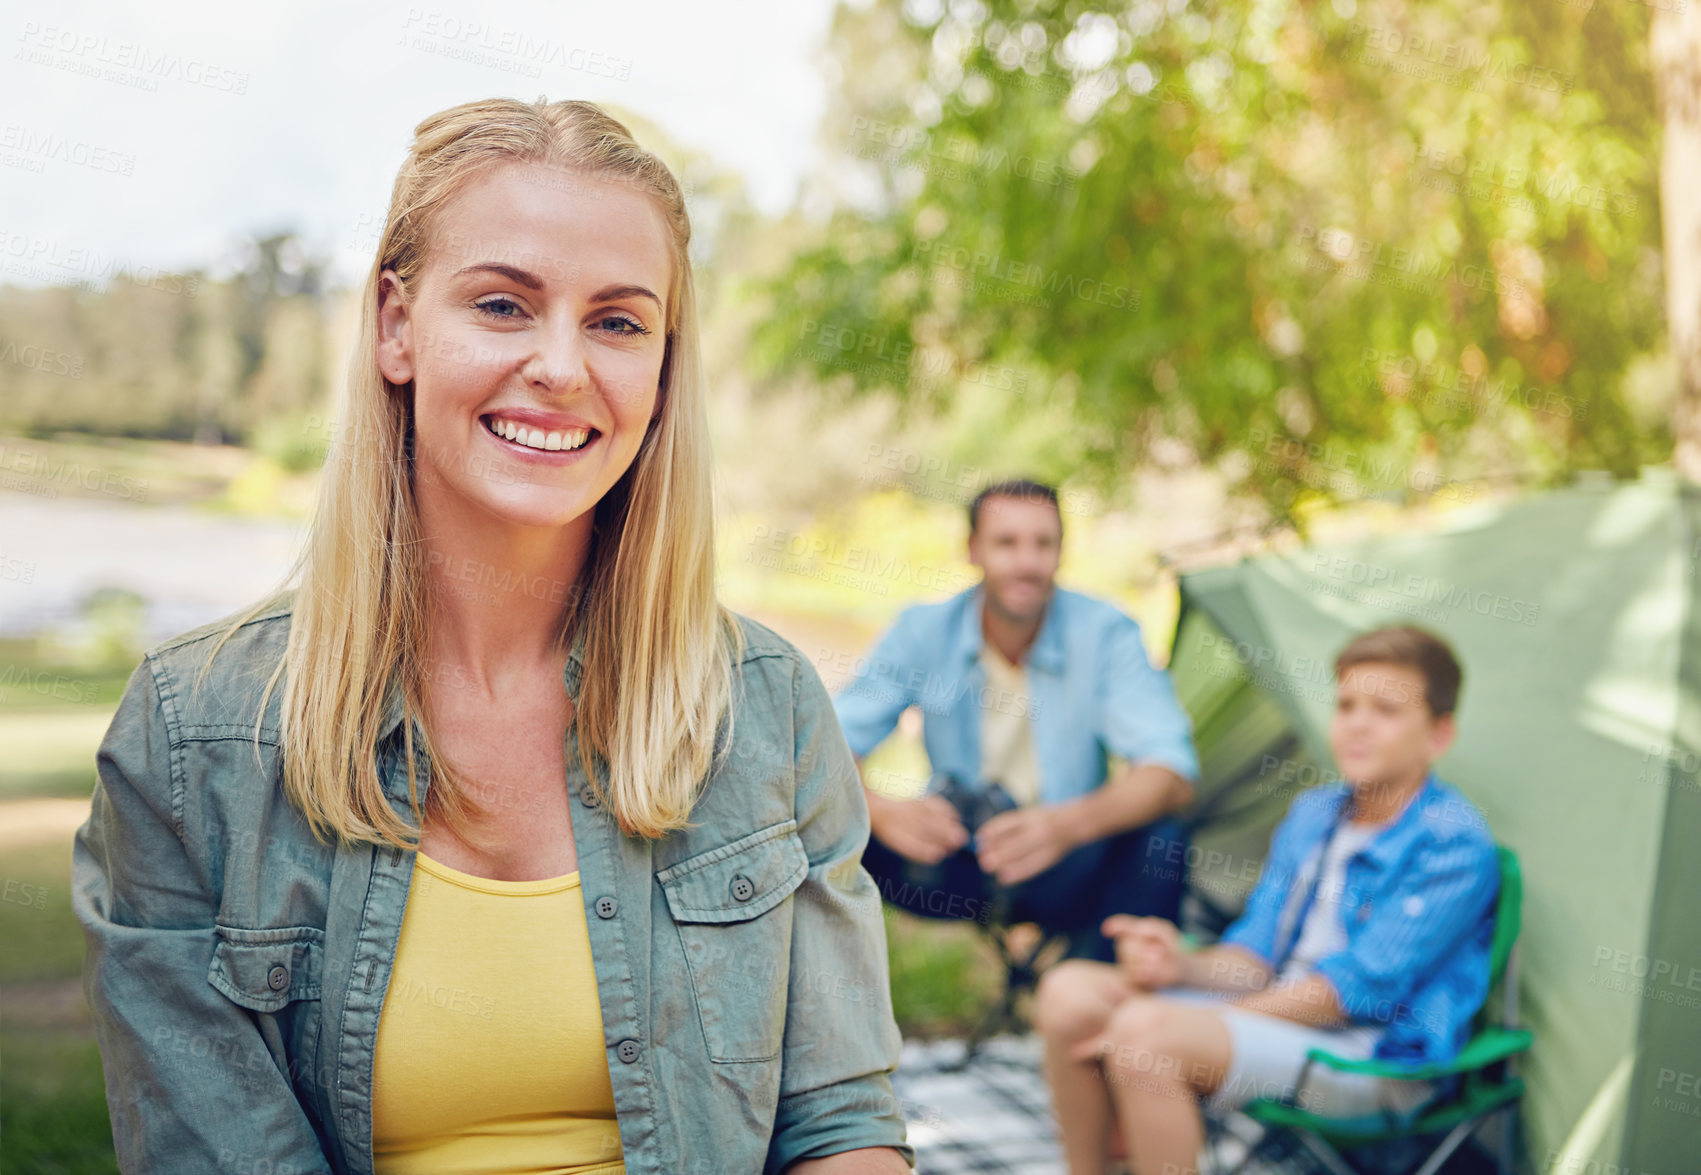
x,y
1483,1049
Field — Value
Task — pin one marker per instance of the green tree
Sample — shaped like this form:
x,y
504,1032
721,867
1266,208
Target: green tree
x,y
1336,250
168,354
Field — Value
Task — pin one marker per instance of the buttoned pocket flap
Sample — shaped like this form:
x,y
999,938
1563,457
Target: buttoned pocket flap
x,y
738,880
266,969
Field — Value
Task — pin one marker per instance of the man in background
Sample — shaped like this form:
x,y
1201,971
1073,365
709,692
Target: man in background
x,y
1029,693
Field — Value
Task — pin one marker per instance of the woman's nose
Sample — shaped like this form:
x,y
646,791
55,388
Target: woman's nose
x,y
558,366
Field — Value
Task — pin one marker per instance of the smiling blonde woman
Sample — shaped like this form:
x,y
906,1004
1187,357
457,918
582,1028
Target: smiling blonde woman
x,y
540,858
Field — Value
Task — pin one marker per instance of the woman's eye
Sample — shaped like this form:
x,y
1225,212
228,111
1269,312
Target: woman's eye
x,y
490,307
622,322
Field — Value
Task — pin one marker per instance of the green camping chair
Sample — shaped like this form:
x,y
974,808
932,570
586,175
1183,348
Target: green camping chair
x,y
1486,1085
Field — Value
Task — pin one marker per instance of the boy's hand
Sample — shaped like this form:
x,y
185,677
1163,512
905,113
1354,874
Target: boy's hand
x,y
1148,950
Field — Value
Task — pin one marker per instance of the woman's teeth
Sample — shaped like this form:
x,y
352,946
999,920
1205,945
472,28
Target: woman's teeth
x,y
536,438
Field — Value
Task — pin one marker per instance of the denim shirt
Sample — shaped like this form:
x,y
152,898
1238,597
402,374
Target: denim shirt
x,y
1417,905
1091,692
236,967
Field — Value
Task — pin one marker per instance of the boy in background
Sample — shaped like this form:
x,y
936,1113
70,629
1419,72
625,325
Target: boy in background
x,y
1367,934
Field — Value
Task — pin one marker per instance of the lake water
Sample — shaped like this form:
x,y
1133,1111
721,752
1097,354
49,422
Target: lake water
x,y
189,566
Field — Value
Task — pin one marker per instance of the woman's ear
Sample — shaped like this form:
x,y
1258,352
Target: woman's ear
x,y
395,331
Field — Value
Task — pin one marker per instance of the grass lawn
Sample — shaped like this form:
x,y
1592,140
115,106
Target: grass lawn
x,y
53,713
944,975
50,752
52,1094
52,1103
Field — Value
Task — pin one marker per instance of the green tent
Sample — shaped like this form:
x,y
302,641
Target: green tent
x,y
1575,615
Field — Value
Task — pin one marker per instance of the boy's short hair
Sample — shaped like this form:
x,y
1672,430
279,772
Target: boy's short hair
x,y
1417,648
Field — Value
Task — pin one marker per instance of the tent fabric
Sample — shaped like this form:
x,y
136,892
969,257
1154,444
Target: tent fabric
x,y
1574,614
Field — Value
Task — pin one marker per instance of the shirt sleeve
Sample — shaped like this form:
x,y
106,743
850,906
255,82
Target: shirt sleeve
x,y
1255,929
1140,717
192,1085
883,687
841,1041
1445,895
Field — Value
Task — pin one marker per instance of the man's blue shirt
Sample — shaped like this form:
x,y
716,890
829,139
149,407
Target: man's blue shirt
x,y
1091,693
1417,906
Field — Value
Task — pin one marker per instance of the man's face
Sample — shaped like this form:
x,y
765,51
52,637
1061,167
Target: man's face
x,y
1017,544
1382,733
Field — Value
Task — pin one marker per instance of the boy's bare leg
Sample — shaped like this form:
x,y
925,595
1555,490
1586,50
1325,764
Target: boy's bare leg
x,y
1074,1002
1160,1058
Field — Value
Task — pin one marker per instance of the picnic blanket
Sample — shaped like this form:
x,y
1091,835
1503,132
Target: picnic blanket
x,y
995,1114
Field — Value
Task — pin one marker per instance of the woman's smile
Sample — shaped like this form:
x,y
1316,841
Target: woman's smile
x,y
529,436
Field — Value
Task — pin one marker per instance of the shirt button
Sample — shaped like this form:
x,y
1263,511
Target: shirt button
x,y
606,906
743,889
627,1050
588,796
278,978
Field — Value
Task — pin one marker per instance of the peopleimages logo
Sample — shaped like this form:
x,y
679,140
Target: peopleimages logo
x,y
511,49
1031,275
812,550
1454,60
50,145
1428,588
1449,384
951,154
119,60
1363,257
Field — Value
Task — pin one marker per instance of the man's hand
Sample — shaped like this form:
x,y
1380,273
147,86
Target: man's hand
x,y
926,830
1016,845
1148,950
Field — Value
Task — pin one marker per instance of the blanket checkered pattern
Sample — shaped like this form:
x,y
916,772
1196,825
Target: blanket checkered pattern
x,y
995,1114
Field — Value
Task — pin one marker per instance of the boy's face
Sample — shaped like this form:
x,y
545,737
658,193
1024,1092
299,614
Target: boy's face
x,y
1382,733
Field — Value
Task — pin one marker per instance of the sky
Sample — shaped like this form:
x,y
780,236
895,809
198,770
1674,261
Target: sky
x,y
157,136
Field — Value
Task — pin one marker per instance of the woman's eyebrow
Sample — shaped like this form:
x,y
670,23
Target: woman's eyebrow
x,y
533,282
611,293
512,273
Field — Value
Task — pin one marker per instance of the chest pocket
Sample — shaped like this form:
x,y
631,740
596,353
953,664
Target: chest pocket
x,y
278,972
726,904
266,969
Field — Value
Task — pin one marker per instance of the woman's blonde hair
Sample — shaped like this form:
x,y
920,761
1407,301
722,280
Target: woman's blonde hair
x,y
659,647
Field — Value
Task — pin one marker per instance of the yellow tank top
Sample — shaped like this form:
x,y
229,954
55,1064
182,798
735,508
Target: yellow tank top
x,y
490,1054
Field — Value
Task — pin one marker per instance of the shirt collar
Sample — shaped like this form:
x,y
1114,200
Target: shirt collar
x,y
1403,825
1047,650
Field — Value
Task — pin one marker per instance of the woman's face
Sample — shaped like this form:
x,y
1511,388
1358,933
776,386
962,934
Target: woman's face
x,y
534,340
